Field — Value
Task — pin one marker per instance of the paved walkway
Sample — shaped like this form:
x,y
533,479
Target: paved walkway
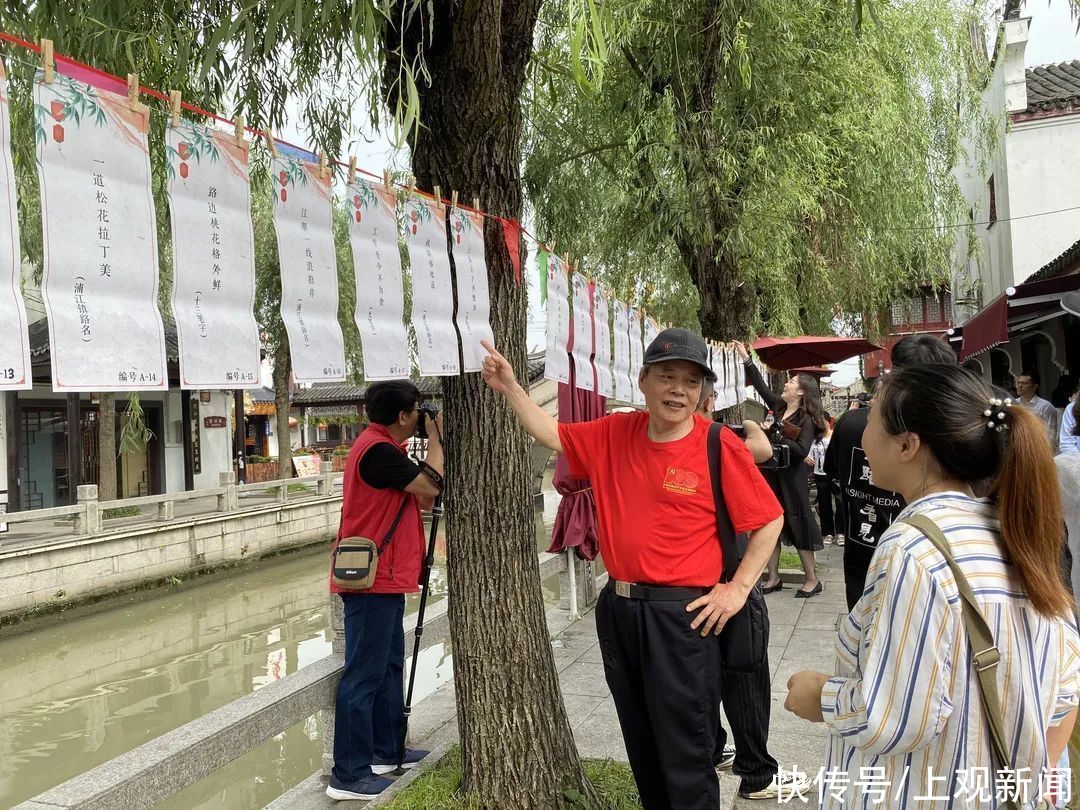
x,y
803,636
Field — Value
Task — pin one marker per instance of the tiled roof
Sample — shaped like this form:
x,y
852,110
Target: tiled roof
x,y
1054,87
1060,265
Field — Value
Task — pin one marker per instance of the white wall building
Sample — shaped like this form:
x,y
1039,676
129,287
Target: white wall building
x,y
1025,196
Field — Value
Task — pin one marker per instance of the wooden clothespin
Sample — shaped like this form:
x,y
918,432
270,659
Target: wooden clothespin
x,y
386,180
476,204
48,62
352,171
453,201
133,89
270,143
438,199
238,130
412,185
174,108
324,164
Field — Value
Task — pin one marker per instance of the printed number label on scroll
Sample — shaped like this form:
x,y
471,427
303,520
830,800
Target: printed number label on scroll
x,y
14,339
602,349
474,303
556,359
380,303
583,336
213,295
100,279
432,288
309,292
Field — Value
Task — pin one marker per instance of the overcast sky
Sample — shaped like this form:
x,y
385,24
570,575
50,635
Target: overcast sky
x,y
1053,38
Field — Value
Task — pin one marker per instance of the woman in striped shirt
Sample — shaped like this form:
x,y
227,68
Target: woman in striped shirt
x,y
907,726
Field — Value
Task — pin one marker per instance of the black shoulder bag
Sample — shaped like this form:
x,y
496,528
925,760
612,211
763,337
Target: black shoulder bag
x,y
745,637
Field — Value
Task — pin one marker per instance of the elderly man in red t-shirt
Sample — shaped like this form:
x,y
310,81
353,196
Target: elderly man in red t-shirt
x,y
658,617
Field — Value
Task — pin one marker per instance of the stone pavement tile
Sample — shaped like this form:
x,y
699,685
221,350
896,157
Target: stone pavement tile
x,y
596,740
779,633
579,708
821,617
593,655
808,649
581,678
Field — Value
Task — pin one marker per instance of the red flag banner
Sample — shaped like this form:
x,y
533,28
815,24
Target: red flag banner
x,y
512,238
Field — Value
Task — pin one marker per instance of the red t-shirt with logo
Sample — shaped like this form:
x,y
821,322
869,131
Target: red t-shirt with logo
x,y
654,500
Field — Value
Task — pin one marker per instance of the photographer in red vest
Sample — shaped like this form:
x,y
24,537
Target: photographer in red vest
x,y
384,491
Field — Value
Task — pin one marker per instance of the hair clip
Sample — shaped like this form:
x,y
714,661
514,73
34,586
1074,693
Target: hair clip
x,y
997,420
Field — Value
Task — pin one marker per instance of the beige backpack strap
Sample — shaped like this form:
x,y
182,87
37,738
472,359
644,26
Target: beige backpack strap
x,y
984,652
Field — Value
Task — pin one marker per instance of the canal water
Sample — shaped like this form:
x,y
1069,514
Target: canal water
x,y
82,690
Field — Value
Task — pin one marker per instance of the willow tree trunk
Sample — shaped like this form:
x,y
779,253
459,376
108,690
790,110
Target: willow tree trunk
x,y
107,446
282,369
517,747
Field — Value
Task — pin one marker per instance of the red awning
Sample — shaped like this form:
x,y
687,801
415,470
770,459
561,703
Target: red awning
x,y
987,329
782,354
1018,308
813,371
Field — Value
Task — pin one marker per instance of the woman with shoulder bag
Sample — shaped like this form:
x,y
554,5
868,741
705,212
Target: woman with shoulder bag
x,y
961,659
802,418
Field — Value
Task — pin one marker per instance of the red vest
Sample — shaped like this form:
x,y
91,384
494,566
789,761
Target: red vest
x,y
368,512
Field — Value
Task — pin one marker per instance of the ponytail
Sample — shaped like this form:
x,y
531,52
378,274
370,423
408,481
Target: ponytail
x,y
1029,506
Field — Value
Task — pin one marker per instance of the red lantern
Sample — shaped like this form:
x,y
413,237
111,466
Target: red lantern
x,y
184,150
357,216
356,200
57,110
282,178
284,196
183,170
58,133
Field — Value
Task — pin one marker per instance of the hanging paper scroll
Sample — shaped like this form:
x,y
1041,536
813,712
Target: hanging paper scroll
x,y
14,339
213,295
309,287
602,349
650,329
556,359
583,336
637,354
432,289
380,304
621,334
474,302
100,279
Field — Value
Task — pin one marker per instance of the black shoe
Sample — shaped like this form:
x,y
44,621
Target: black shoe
x,y
779,586
801,594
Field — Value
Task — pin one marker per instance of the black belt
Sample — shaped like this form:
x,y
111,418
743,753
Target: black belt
x,y
666,593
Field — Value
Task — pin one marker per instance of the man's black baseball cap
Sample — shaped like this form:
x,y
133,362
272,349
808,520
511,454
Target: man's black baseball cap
x,y
679,344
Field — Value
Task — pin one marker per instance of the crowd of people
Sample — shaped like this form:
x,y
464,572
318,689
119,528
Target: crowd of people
x,y
959,652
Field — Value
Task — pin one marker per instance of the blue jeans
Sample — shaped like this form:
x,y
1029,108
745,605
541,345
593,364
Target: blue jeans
x,y
370,699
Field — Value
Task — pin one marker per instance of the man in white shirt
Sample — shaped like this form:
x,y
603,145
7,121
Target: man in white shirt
x,y
1027,386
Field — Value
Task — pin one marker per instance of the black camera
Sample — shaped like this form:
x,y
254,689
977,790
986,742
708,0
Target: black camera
x,y
427,410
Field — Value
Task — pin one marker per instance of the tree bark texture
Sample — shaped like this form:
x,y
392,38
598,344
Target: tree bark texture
x,y
107,446
517,747
282,370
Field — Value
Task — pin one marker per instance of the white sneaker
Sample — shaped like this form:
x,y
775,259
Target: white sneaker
x,y
828,539
839,539
784,786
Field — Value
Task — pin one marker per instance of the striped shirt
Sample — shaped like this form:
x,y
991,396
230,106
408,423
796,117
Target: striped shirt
x,y
907,726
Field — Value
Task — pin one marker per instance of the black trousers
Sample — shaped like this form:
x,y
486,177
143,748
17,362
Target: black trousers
x,y
827,493
665,681
856,563
747,700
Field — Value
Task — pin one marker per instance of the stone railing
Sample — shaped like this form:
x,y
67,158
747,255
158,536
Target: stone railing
x,y
177,759
88,510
